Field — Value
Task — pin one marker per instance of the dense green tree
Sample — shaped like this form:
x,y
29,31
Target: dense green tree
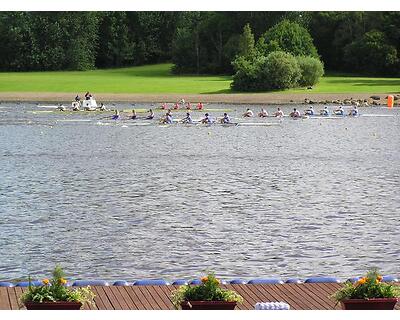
x,y
246,42
279,70
18,47
291,38
312,69
116,48
186,44
372,53
48,41
334,32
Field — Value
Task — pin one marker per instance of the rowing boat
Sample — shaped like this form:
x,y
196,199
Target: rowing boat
x,y
68,112
139,110
194,124
180,110
331,117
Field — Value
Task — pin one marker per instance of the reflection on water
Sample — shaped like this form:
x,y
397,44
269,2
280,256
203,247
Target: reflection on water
x,y
308,197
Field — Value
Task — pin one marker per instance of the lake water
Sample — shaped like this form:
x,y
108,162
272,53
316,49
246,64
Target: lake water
x,y
305,198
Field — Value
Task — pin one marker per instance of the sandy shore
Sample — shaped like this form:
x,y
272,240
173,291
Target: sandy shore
x,y
236,98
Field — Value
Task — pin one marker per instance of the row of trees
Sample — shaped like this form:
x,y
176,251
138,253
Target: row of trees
x,y
197,42
84,40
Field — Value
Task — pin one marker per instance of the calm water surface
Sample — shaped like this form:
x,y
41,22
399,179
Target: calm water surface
x,y
306,198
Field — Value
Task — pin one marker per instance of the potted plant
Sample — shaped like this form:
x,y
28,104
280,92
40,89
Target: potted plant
x,y
206,296
368,293
54,295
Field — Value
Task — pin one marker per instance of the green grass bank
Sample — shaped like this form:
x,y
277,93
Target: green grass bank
x,y
157,79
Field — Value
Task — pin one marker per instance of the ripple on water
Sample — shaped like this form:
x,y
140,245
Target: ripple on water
x,y
303,199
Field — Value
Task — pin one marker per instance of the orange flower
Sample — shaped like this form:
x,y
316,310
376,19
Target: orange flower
x,y
46,281
362,281
63,281
204,279
379,278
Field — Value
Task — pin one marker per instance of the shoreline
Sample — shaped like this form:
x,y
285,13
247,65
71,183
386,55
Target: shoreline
x,y
232,98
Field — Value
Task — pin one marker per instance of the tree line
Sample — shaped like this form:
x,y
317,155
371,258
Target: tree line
x,y
196,42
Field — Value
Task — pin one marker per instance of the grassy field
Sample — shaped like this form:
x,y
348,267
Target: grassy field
x,y
158,79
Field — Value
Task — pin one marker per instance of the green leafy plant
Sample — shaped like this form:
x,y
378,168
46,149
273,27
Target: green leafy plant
x,y
208,290
55,290
312,69
368,287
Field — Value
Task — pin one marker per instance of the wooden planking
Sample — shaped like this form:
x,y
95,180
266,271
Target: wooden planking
x,y
140,305
18,293
130,297
130,305
4,300
150,299
104,297
326,290
13,298
320,298
98,299
111,298
309,296
163,301
247,301
140,298
291,298
116,298
168,292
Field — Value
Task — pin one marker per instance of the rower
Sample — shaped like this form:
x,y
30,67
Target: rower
x,y
295,113
354,112
75,106
309,111
164,106
188,106
248,113
182,101
207,119
61,108
133,117
151,115
176,106
199,106
116,115
339,111
88,95
324,112
279,113
188,118
263,113
77,98
226,118
168,118
102,107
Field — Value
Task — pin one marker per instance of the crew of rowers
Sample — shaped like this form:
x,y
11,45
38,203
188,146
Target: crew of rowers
x,y
325,112
168,119
180,104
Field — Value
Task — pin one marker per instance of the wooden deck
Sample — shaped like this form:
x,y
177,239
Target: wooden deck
x,y
312,296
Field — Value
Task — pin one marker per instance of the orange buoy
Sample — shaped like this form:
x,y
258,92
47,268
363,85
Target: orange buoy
x,y
390,101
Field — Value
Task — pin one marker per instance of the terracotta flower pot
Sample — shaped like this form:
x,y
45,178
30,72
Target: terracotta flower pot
x,y
208,305
369,304
49,305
